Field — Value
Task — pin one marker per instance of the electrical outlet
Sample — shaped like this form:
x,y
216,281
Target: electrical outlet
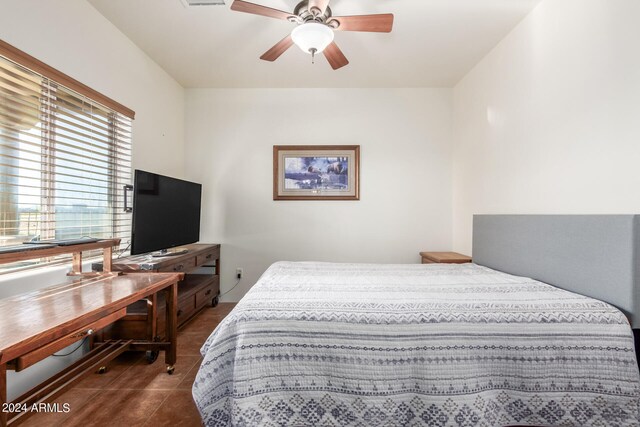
x,y
238,273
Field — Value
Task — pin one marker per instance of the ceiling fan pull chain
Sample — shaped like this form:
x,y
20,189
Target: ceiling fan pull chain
x,y
313,54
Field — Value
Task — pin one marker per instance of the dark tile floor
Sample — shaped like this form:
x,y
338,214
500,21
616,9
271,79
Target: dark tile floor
x,y
135,393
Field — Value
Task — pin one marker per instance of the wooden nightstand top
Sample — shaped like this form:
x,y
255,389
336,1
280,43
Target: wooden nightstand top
x,y
444,257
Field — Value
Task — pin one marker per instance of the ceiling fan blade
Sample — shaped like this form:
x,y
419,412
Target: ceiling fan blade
x,y
278,49
382,23
335,56
256,9
321,5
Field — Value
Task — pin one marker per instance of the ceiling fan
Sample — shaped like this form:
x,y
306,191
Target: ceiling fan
x,y
316,24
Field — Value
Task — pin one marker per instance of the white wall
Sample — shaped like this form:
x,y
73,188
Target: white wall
x,y
73,37
548,122
405,194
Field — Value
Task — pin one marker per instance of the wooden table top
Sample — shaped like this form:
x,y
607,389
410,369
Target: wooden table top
x,y
32,319
446,257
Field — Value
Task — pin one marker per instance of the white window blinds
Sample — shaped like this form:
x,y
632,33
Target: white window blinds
x,y
64,159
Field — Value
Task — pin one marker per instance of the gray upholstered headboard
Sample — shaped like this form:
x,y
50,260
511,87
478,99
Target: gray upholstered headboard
x,y
593,255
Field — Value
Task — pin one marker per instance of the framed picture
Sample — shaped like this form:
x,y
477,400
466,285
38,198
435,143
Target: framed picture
x,y
316,172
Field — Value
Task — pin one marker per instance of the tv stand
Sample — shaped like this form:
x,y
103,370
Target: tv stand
x,y
199,288
169,252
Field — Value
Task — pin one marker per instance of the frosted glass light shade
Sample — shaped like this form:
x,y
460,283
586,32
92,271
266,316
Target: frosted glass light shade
x,y
312,36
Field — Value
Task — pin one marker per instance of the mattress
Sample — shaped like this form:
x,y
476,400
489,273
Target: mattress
x,y
315,344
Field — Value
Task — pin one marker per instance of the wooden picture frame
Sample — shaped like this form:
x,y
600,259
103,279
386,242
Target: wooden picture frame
x,y
316,172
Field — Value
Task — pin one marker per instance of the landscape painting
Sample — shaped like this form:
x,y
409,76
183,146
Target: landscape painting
x,y
316,172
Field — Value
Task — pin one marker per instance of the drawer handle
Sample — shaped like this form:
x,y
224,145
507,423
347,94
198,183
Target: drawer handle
x,y
208,292
178,267
209,256
179,312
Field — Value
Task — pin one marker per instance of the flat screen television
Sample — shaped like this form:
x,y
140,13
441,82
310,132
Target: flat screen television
x,y
166,214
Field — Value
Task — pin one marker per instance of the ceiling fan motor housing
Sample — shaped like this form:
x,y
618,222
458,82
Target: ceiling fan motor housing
x,y
312,15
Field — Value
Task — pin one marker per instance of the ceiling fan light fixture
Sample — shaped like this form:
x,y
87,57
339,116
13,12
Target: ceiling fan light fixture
x,y
312,37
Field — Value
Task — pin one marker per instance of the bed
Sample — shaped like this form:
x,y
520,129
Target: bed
x,y
316,344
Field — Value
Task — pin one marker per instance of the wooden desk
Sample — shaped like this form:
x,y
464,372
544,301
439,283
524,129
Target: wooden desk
x,y
35,325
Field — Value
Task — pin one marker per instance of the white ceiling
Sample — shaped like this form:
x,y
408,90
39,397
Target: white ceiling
x,y
434,43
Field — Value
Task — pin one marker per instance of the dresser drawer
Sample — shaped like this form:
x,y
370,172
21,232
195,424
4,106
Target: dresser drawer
x,y
183,265
186,306
204,296
206,258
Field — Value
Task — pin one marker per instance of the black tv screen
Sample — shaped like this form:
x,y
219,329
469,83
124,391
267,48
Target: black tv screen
x,y
166,212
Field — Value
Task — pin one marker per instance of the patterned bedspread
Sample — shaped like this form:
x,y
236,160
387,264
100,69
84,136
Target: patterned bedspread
x,y
320,344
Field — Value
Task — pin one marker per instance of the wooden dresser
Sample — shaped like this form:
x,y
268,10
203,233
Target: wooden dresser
x,y
199,288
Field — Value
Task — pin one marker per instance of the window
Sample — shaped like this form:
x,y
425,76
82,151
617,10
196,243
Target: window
x,y
64,157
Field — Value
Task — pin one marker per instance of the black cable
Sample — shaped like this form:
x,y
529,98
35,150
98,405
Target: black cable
x,y
124,250
72,351
234,286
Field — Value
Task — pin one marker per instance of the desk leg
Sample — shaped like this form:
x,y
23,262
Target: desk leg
x,y
152,312
3,394
172,326
152,326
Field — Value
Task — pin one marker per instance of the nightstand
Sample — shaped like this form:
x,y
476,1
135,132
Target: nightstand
x,y
444,257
